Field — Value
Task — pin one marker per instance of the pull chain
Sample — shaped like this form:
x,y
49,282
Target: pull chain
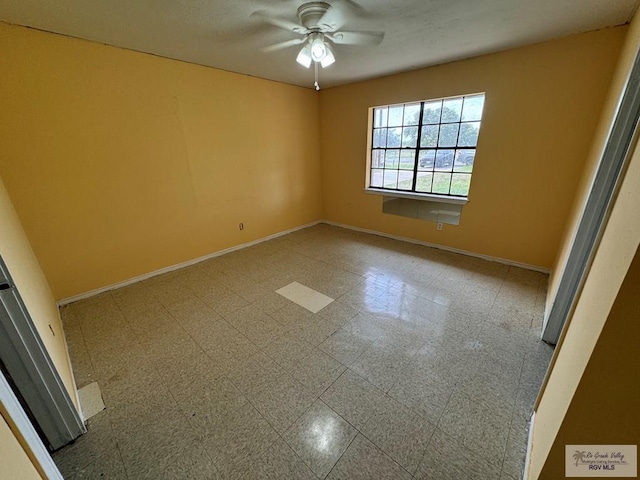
x,y
315,84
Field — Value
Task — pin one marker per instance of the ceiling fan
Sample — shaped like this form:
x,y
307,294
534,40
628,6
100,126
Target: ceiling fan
x,y
318,30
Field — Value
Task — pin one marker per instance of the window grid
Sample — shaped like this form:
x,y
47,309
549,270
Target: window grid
x,y
440,165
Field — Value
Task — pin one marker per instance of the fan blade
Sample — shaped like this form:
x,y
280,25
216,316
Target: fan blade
x,y
279,22
356,38
339,12
286,44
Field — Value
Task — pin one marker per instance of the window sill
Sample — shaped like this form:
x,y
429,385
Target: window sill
x,y
418,196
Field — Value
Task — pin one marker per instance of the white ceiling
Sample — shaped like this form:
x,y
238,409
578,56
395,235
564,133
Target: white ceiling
x,y
222,33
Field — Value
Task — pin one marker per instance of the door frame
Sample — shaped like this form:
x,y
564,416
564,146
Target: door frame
x,y
31,369
18,419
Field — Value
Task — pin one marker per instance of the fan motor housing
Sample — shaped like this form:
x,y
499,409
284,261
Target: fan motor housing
x,y
311,13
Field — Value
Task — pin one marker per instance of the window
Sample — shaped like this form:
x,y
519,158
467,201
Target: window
x,y
426,147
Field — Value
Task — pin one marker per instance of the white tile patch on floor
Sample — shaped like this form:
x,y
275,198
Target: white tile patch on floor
x,y
91,401
305,297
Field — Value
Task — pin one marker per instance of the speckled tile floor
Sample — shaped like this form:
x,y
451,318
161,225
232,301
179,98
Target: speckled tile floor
x,y
425,366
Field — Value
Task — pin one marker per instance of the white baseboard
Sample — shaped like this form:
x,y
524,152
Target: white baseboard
x,y
124,283
171,268
527,458
489,258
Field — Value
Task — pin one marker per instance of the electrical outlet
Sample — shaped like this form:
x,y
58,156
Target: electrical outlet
x,y
241,226
439,226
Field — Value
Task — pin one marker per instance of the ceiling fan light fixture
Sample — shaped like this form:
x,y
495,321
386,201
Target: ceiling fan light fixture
x,y
328,59
319,30
318,49
304,57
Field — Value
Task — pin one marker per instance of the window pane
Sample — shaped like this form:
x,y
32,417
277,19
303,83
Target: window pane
x,y
451,110
376,178
377,159
407,159
444,160
390,179
472,109
469,134
441,182
395,116
431,112
405,180
448,135
380,117
391,159
393,137
429,136
460,184
411,114
464,160
427,159
423,182
409,136
379,137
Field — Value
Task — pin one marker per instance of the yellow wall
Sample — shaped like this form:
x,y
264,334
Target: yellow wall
x,y
602,287
604,409
14,462
34,289
542,106
121,163
625,60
